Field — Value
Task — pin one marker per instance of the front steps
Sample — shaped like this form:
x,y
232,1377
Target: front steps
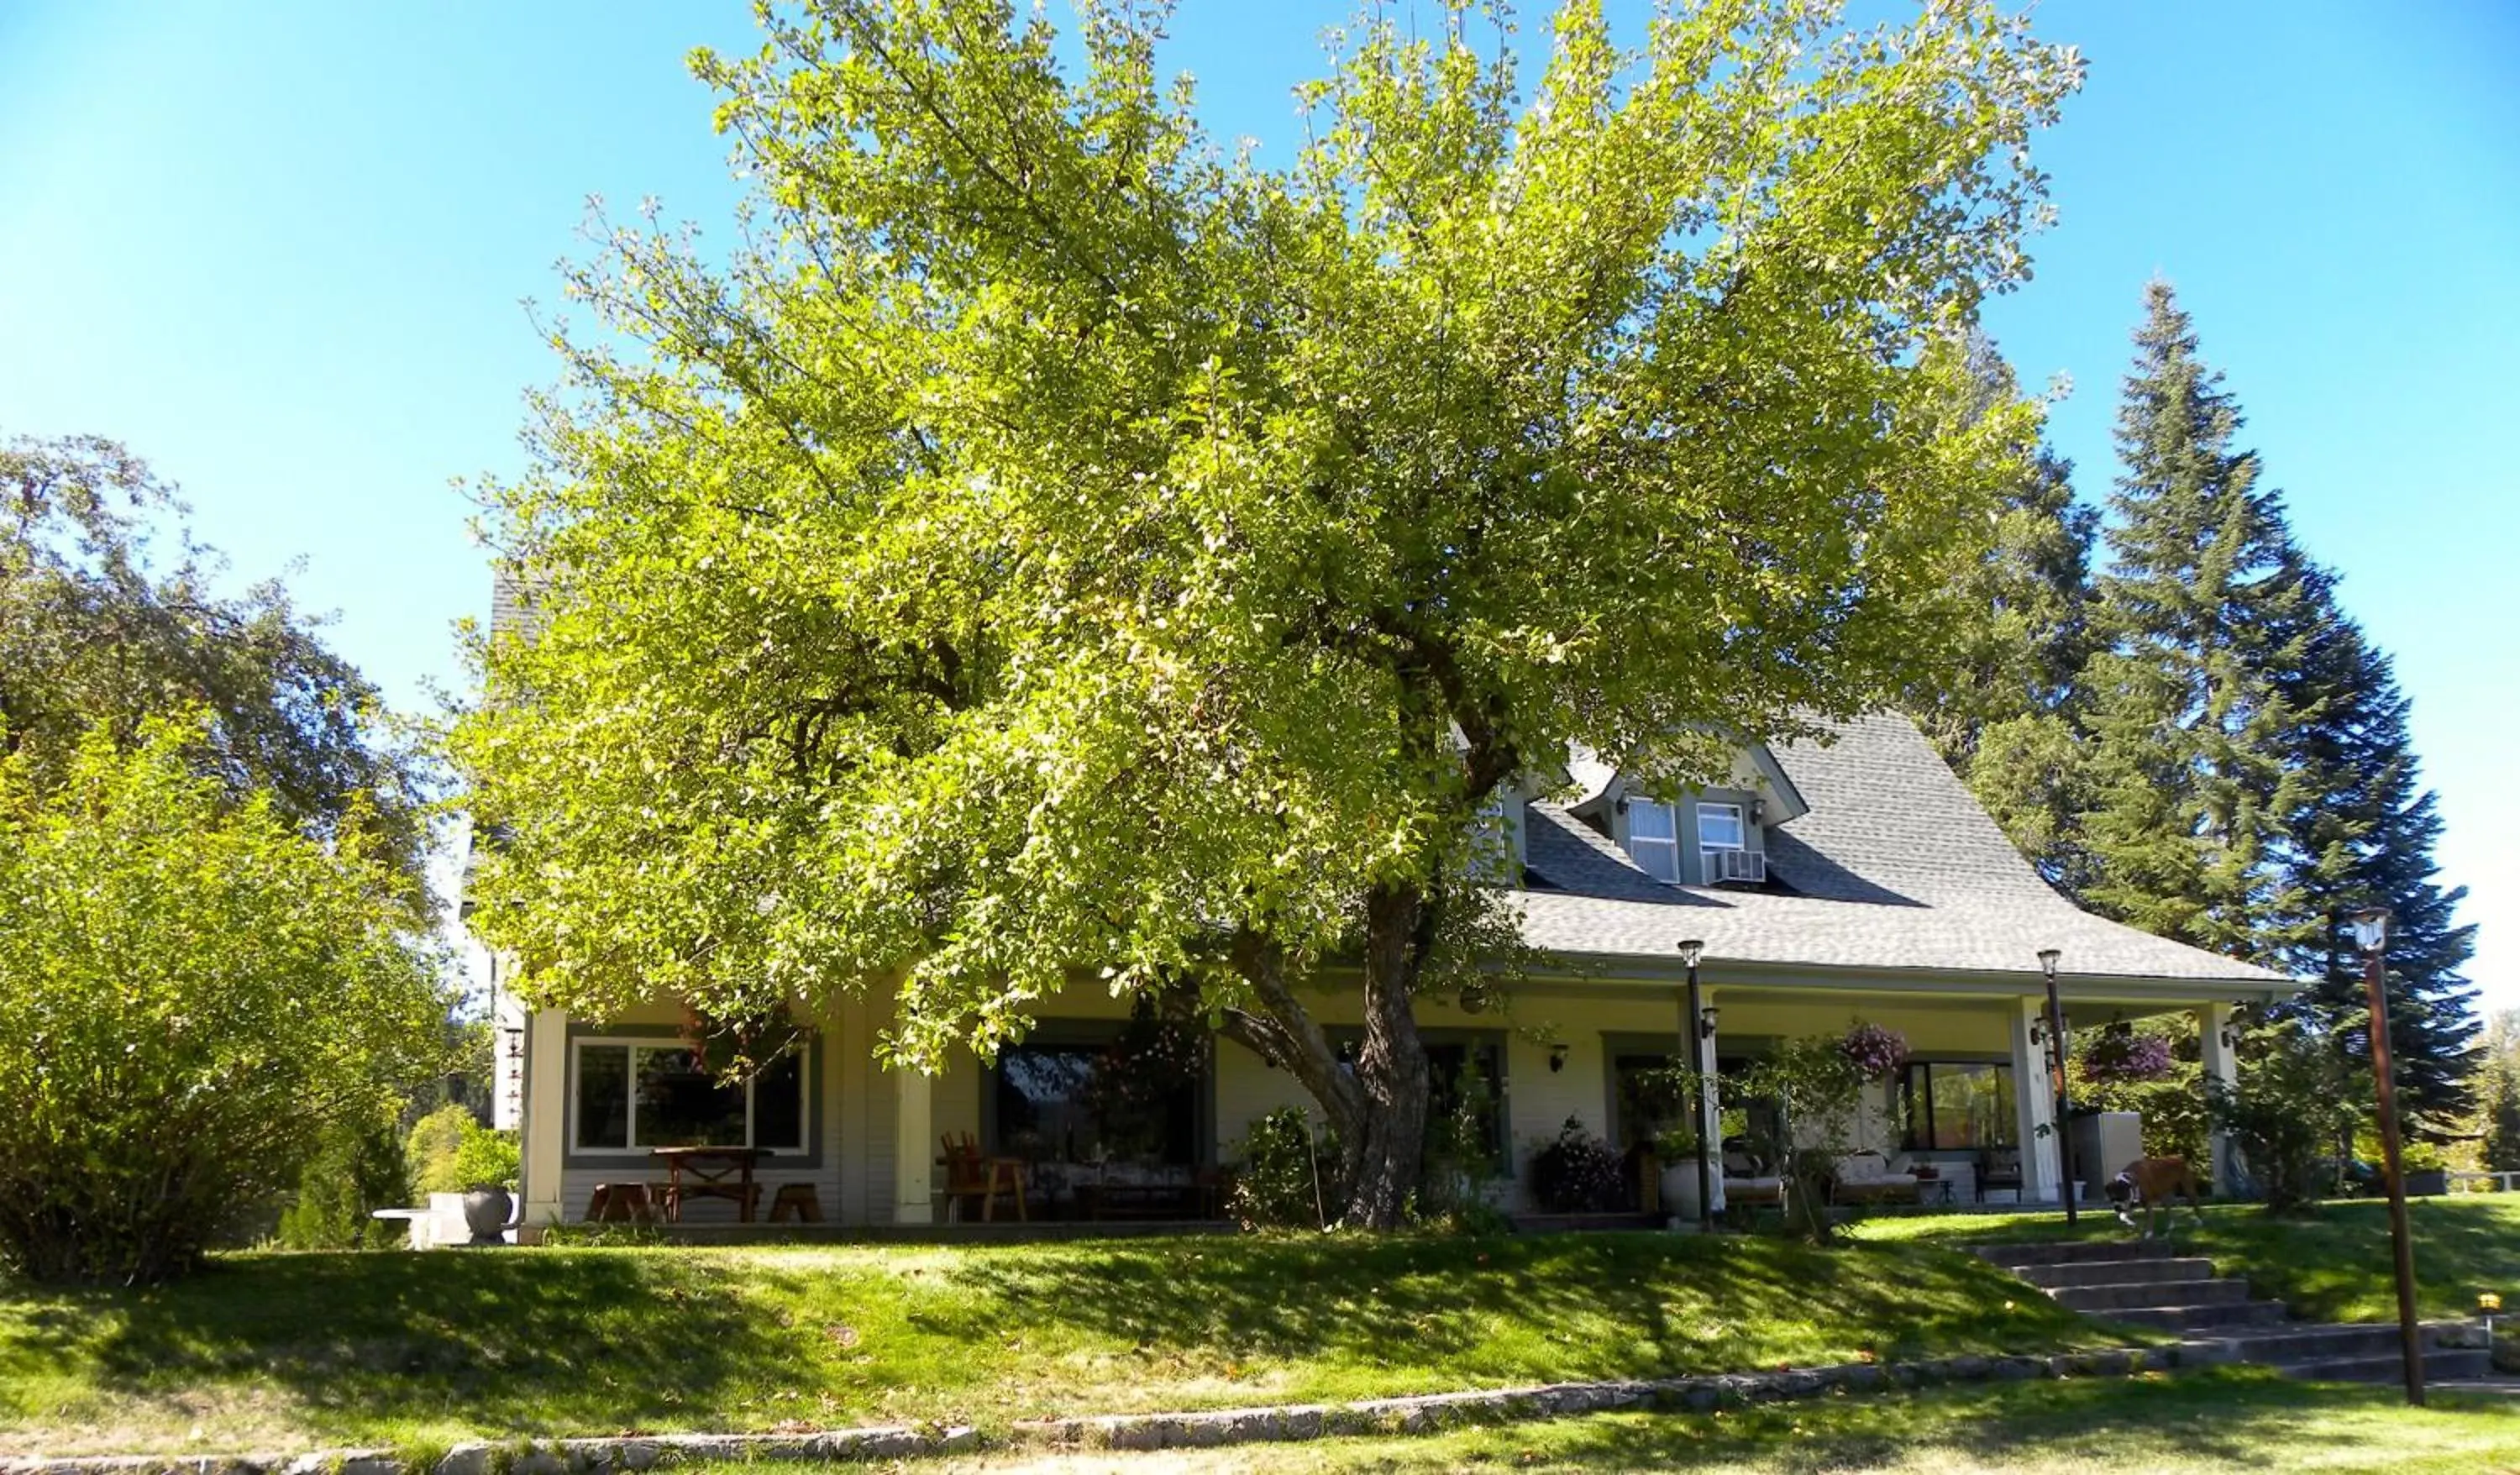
x,y
2144,1282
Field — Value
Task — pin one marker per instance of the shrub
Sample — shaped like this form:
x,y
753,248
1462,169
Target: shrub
x,y
360,1170
1285,1173
433,1147
2293,1104
194,998
1577,1174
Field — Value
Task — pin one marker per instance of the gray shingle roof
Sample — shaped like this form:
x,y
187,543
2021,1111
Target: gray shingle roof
x,y
1895,866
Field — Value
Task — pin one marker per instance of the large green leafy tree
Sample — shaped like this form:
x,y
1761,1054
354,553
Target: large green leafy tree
x,y
2190,786
1046,546
110,617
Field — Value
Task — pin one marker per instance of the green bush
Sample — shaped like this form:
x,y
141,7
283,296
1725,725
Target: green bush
x,y
1285,1173
1578,1173
358,1172
196,999
436,1142
2293,1106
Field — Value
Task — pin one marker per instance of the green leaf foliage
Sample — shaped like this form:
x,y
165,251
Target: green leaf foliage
x,y
1049,545
195,1000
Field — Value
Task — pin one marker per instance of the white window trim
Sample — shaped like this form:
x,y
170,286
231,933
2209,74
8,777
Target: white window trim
x,y
579,1044
1741,827
1669,843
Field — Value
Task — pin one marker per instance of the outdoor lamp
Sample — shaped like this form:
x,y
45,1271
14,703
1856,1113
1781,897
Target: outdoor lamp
x,y
2371,928
1706,1022
1557,1058
1691,951
2047,960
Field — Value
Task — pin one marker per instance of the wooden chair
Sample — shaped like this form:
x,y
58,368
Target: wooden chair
x,y
968,1175
1998,1168
797,1201
620,1203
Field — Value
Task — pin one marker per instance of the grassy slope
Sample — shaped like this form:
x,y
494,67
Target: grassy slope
x,y
2335,1266
281,1351
2225,1421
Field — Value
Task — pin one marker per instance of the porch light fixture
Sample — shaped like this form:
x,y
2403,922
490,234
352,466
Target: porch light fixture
x,y
1706,1015
1557,1058
1691,951
2047,960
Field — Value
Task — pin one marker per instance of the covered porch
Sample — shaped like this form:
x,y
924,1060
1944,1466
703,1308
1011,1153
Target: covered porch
x,y
874,1150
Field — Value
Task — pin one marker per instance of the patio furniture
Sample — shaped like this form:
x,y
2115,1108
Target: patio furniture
x,y
970,1174
1868,1178
620,1203
710,1172
797,1201
1746,1181
1998,1168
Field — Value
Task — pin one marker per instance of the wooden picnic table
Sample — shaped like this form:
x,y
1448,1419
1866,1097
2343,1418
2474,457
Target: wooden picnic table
x,y
709,1173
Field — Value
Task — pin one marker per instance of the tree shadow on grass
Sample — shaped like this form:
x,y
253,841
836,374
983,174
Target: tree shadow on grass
x,y
523,1342
1537,1309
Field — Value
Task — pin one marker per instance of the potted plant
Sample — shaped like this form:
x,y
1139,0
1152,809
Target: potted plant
x,y
487,1164
1676,1148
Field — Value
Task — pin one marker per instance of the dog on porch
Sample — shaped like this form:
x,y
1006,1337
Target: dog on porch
x,y
2150,1181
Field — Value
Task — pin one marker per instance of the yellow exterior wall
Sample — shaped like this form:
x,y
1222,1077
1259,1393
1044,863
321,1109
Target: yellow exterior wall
x,y
856,1181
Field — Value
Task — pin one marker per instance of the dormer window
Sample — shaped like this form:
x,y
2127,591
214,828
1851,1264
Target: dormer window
x,y
1653,839
1720,828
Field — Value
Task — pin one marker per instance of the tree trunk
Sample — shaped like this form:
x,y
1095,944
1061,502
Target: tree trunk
x,y
1378,1105
1391,1065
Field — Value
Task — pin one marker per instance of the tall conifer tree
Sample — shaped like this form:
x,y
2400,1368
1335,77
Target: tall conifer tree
x,y
2190,786
2364,835
2004,718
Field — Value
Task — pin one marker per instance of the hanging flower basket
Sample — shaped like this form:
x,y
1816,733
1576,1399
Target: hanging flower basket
x,y
1875,1051
2119,1054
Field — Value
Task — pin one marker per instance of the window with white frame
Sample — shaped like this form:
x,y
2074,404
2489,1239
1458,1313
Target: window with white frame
x,y
634,1094
1720,828
1653,839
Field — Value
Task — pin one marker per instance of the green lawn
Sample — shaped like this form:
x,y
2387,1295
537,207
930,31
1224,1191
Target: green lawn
x,y
287,1350
2334,1267
2230,1420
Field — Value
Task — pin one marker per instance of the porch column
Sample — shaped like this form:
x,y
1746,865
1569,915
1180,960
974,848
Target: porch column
x,y
2221,1063
2034,1102
546,1123
1710,1104
913,1149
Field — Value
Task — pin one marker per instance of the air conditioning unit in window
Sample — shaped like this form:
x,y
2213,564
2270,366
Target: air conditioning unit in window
x,y
1723,865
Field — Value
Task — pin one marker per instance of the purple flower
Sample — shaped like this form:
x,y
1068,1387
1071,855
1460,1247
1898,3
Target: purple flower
x,y
2124,1056
1875,1051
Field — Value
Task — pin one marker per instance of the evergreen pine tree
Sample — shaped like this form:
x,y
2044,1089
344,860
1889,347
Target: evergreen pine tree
x,y
2004,718
2364,835
2189,779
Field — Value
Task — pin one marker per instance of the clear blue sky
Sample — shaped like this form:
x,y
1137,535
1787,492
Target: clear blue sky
x,y
280,248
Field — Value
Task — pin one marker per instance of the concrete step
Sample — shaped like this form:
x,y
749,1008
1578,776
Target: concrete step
x,y
2440,1363
2073,1252
2206,1318
2154,1271
2101,1300
2287,1343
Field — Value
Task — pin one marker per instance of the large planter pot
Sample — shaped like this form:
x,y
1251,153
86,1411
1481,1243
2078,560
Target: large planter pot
x,y
1680,1191
485,1214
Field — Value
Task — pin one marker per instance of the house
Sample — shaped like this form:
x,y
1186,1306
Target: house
x,y
1828,881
